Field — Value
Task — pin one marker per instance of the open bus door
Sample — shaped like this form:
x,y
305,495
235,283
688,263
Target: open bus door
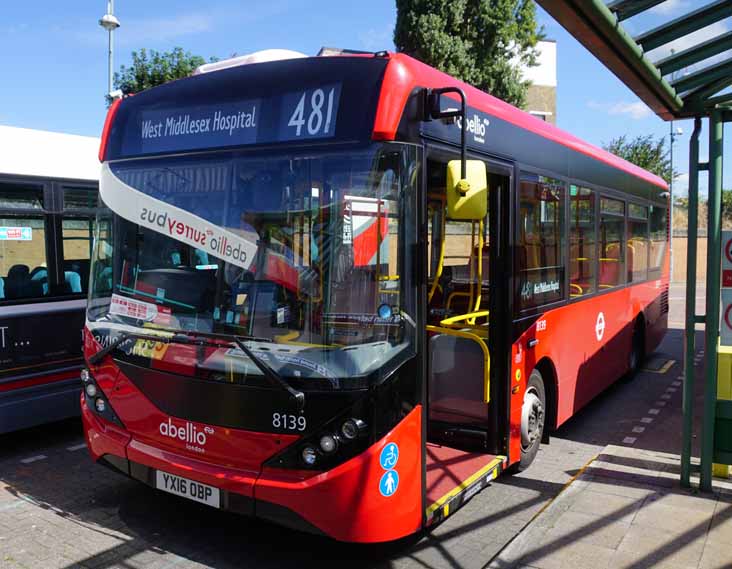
x,y
467,344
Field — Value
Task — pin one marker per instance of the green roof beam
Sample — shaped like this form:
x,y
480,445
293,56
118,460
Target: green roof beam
x,y
685,25
597,28
722,100
703,76
695,54
696,102
625,9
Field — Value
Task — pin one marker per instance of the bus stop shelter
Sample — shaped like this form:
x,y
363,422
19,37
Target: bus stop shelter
x,y
694,83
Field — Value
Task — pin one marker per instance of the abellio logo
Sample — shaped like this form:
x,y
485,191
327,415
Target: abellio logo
x,y
187,433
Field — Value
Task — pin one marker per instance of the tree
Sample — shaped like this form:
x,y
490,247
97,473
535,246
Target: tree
x,y
153,68
644,151
482,42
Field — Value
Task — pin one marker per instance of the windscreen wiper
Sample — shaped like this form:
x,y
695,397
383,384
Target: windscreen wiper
x,y
272,375
97,356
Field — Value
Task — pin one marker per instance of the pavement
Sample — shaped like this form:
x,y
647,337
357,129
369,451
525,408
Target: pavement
x,y
627,510
58,509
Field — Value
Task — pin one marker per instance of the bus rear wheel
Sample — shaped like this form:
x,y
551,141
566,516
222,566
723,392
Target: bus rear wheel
x,y
533,419
637,352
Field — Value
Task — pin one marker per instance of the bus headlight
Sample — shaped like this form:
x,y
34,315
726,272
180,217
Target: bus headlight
x,y
309,455
84,375
100,405
328,444
351,428
91,390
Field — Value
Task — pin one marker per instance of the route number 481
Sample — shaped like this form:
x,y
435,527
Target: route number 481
x,y
319,119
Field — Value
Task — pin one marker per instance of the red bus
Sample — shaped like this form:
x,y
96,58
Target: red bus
x,y
344,293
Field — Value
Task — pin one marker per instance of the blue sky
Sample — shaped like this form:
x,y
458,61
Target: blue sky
x,y
57,79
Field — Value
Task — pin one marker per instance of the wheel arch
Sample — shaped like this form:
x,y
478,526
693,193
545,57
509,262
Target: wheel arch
x,y
548,372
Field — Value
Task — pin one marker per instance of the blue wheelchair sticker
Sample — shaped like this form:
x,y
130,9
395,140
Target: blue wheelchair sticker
x,y
389,483
389,456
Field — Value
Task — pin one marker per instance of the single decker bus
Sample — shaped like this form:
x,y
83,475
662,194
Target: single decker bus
x,y
343,293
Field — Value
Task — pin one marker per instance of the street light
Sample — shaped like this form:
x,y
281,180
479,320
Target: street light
x,y
110,23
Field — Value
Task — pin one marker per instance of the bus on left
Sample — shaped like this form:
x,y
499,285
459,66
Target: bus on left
x,y
48,197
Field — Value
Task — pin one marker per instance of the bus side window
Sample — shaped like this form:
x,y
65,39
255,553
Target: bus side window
x,y
77,233
582,241
612,241
539,251
22,242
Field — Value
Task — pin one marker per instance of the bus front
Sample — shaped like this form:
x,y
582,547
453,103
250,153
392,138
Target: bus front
x,y
251,332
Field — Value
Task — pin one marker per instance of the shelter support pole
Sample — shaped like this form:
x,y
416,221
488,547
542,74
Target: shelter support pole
x,y
711,328
690,334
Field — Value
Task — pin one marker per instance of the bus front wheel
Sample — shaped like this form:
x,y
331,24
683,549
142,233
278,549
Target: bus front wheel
x,y
533,419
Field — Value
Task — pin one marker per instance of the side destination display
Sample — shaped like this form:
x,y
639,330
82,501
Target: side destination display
x,y
328,99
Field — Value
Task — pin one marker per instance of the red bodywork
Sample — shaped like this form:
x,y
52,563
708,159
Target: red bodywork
x,y
345,502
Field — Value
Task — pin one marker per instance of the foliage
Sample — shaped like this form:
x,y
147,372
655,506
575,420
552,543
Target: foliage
x,y
481,42
152,68
644,151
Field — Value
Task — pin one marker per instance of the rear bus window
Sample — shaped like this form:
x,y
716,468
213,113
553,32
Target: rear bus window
x,y
539,252
637,248
659,237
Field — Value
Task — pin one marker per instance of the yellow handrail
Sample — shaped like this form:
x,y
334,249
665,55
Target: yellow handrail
x,y
484,348
441,260
469,316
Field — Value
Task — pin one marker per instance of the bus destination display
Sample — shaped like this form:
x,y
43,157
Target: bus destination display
x,y
298,115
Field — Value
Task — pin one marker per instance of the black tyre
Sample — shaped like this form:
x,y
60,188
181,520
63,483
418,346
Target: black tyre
x,y
637,351
533,419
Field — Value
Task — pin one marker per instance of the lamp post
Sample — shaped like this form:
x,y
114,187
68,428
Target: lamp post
x,y
110,23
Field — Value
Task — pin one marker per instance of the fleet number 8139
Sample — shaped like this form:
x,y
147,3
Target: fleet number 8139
x,y
289,422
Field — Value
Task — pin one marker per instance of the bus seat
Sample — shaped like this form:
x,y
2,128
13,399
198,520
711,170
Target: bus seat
x,y
18,283
40,274
73,280
457,367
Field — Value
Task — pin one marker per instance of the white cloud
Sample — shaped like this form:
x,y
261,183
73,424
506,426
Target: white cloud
x,y
637,110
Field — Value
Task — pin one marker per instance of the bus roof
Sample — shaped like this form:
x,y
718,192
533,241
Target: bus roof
x,y
41,153
371,97
405,73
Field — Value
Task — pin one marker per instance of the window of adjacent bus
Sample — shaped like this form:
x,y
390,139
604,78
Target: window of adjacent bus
x,y
637,248
539,249
77,233
659,237
612,239
23,268
79,198
582,242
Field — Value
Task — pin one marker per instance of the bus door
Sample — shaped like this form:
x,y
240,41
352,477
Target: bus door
x,y
467,315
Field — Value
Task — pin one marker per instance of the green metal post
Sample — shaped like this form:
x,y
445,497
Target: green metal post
x,y
711,329
690,334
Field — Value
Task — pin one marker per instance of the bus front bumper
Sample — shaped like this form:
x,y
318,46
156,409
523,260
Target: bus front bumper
x,y
344,503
